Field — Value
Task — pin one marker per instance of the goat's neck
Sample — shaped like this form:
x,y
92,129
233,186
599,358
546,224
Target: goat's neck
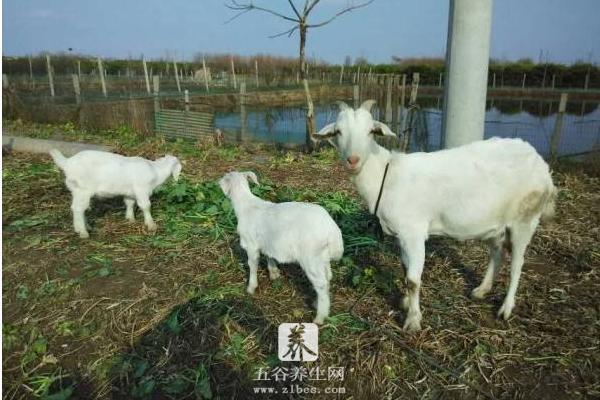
x,y
368,180
243,201
163,171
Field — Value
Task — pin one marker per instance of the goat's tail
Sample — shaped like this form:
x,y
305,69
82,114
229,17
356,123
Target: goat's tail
x,y
58,158
549,210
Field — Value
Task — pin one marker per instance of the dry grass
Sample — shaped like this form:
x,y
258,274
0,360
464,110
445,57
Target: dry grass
x,y
125,314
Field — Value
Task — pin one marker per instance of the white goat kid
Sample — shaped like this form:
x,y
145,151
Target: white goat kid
x,y
97,173
494,190
290,232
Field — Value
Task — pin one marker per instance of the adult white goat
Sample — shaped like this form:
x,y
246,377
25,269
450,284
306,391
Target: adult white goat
x,y
97,173
290,232
494,190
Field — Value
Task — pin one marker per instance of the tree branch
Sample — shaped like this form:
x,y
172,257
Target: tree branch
x,y
345,10
289,32
295,9
246,7
310,7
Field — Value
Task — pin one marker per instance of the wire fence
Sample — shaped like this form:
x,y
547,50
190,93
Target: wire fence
x,y
272,109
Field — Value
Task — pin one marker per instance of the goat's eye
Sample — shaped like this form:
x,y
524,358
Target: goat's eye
x,y
337,132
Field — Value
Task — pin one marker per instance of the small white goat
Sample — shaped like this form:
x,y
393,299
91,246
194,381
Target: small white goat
x,y
494,190
291,232
97,173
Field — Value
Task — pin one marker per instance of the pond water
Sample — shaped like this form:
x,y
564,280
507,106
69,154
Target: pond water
x,y
532,121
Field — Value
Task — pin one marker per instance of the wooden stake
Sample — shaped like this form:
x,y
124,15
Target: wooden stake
x,y
256,71
156,87
233,72
176,76
76,88
555,140
30,71
50,77
146,76
243,116
101,73
205,74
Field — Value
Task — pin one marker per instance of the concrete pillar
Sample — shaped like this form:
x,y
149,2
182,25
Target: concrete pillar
x,y
467,58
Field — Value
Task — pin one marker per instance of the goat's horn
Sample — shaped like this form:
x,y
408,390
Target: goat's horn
x,y
343,106
367,104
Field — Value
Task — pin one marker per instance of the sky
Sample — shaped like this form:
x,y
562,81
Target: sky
x,y
559,30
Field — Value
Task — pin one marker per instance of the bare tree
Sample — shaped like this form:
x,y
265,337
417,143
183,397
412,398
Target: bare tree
x,y
299,19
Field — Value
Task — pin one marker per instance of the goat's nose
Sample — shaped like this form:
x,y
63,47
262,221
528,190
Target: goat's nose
x,y
353,160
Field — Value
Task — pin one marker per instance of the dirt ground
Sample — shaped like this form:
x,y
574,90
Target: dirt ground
x,y
127,314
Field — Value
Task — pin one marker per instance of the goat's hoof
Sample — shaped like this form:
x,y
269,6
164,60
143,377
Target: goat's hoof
x,y
84,235
479,293
251,290
274,275
412,325
505,311
319,320
152,228
130,219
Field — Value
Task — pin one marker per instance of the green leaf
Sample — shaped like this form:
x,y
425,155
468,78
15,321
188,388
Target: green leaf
x,y
63,394
144,388
173,323
140,368
22,292
40,345
176,385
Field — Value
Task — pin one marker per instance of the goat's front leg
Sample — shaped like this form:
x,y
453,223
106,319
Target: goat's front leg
x,y
253,257
413,256
143,202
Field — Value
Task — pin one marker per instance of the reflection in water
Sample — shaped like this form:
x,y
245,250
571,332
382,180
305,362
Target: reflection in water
x,y
531,120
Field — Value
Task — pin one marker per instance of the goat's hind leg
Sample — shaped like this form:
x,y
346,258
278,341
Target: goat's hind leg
x,y
129,213
272,267
520,236
317,274
493,268
80,203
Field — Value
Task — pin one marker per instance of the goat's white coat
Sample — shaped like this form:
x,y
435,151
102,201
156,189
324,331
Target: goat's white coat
x,y
97,173
290,232
478,191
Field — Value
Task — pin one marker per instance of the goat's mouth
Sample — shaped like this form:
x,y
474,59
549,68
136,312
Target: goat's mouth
x,y
352,168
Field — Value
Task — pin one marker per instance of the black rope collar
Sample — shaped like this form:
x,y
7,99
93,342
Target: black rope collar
x,y
381,188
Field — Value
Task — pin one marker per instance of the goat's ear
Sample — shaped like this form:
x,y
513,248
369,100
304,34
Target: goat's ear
x,y
176,170
251,176
225,185
343,106
367,105
328,131
381,129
